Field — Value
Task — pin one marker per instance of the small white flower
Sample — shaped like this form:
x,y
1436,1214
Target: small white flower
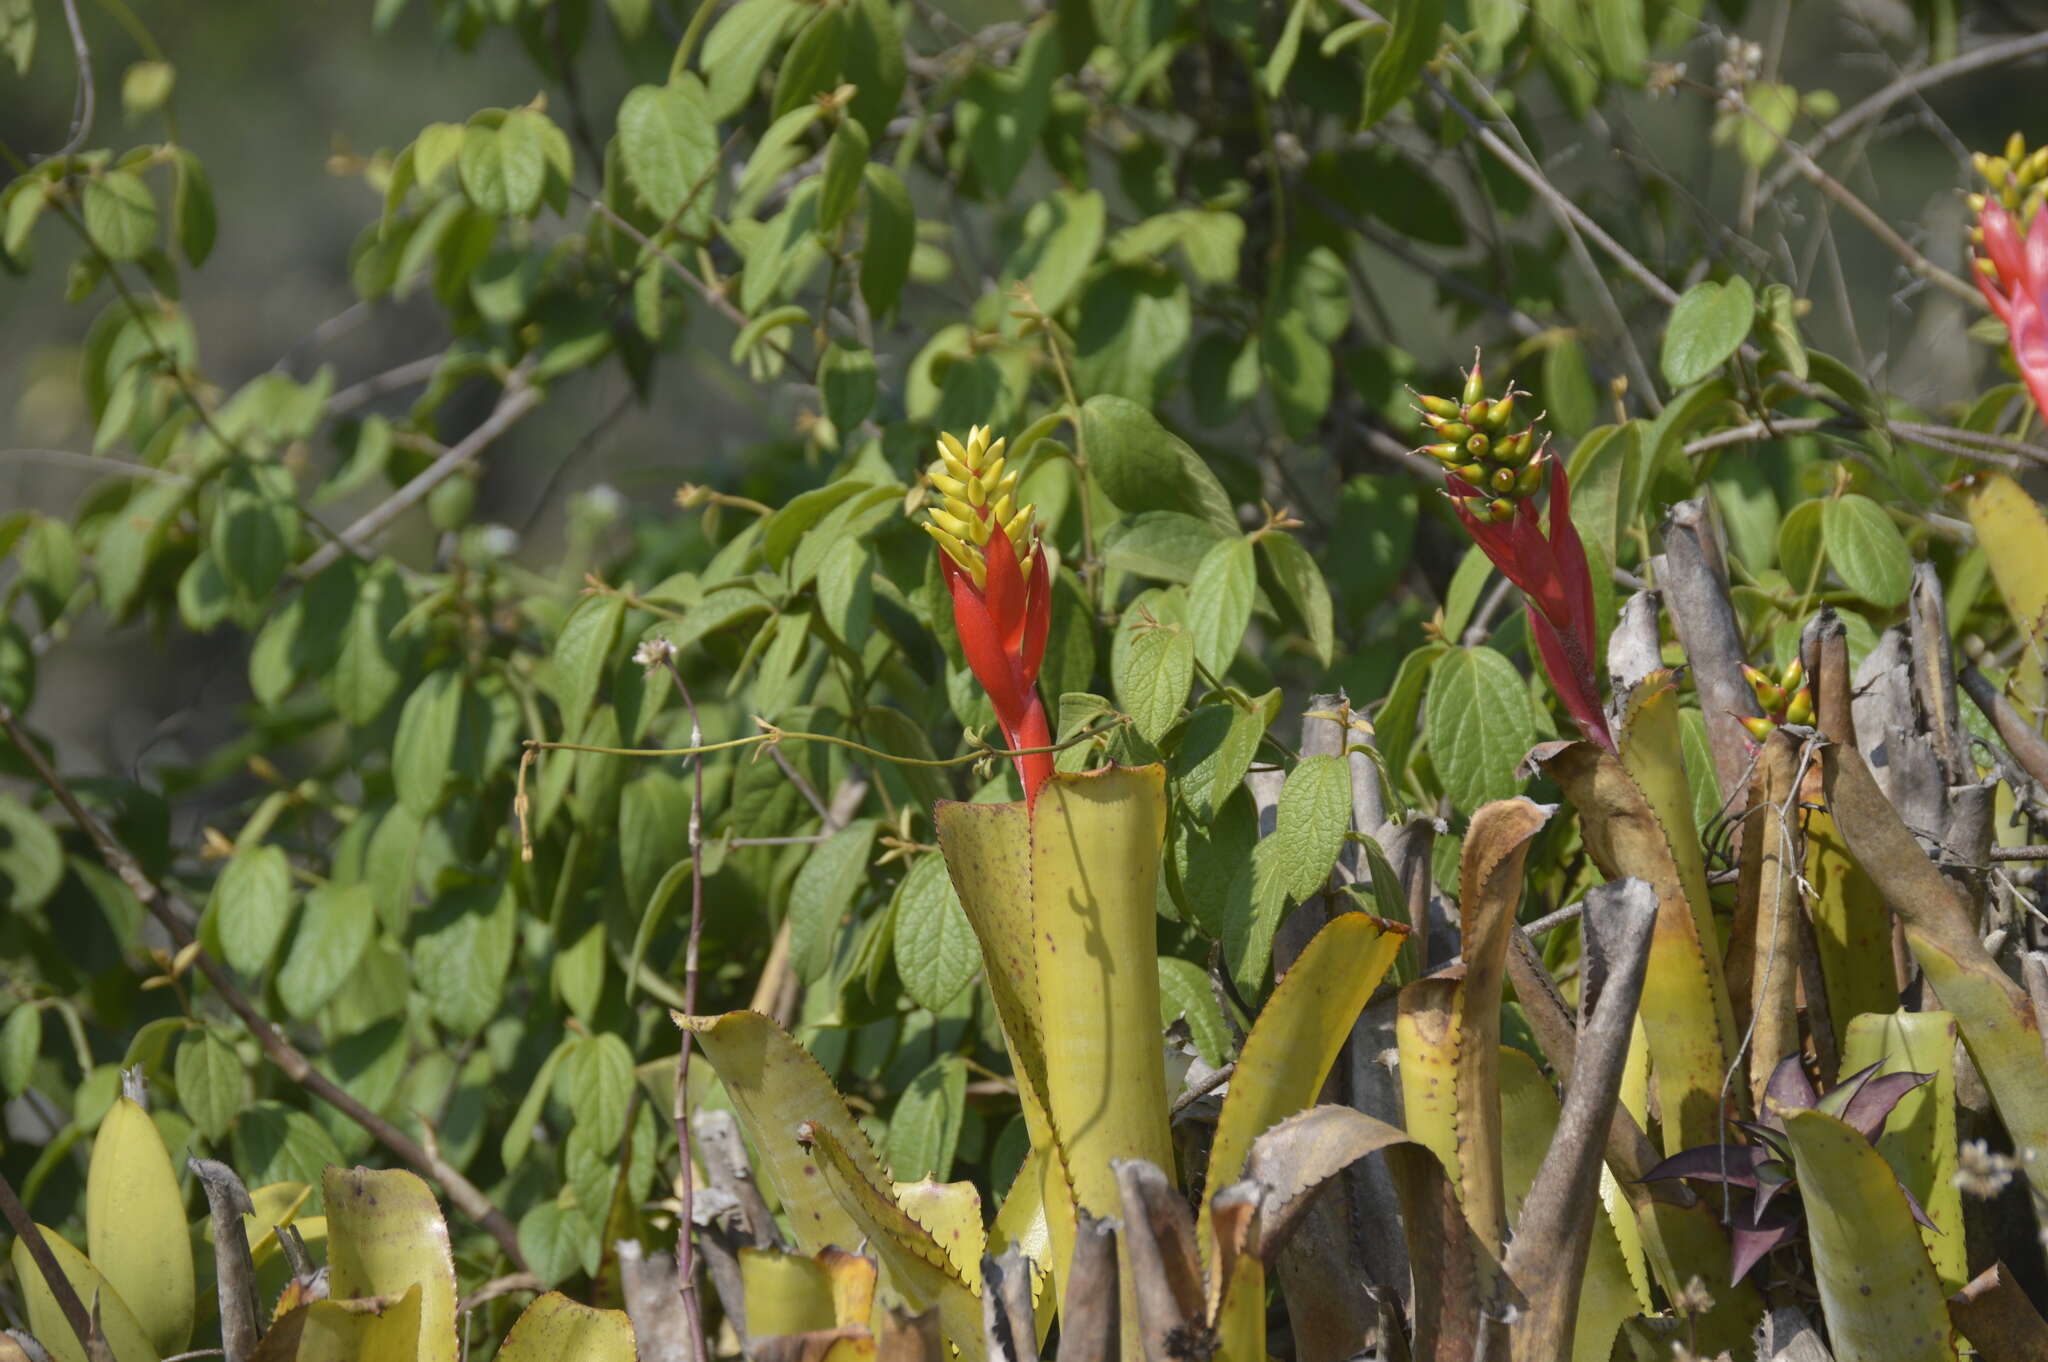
x,y
1980,1172
654,652
605,499
500,541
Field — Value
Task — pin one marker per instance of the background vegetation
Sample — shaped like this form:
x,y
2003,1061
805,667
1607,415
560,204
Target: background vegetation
x,y
355,356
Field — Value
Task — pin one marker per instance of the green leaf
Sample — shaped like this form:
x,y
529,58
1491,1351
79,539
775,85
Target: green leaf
x,y
597,1084
811,66
846,157
1618,29
1216,747
461,953
891,237
1185,994
1315,813
18,32
211,1088
823,893
1142,466
254,525
145,86
1274,75
366,673
874,63
924,1130
252,903
1133,325
31,857
846,376
1568,387
334,930
559,1241
737,48
1778,321
504,169
519,1134
193,216
21,1040
583,655
1220,603
1708,325
1479,725
1801,547
1418,25
1866,550
1152,667
1168,545
273,1143
1299,372
424,748
669,146
935,948
1063,233
1302,589
120,214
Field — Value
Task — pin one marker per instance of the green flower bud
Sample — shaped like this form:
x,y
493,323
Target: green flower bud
x,y
1503,481
1476,413
1502,412
1441,407
1446,453
1501,511
1477,445
1530,480
1475,384
1455,431
1473,473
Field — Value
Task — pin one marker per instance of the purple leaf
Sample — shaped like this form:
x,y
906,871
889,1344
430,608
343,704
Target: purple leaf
x,y
1734,1164
1749,1242
1772,1177
1789,1089
1913,1203
1871,1106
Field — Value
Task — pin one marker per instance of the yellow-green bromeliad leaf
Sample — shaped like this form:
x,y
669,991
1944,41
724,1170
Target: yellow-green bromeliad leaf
x,y
1297,1038
386,1235
135,1229
1880,1294
1061,897
1919,1138
776,1086
557,1329
46,1320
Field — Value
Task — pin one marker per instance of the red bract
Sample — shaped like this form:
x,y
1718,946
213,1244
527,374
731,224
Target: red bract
x,y
1002,630
1556,585
2019,291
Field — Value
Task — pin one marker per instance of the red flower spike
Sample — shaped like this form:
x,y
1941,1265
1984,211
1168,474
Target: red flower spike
x,y
1557,587
2019,294
1002,630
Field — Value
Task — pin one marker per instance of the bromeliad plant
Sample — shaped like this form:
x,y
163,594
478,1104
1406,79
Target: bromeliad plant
x,y
1757,1174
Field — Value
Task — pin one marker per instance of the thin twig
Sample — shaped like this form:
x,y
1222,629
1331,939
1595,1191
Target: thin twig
x,y
31,1236
82,102
391,380
518,398
177,918
1875,105
1809,169
1213,1081
496,1287
686,1230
